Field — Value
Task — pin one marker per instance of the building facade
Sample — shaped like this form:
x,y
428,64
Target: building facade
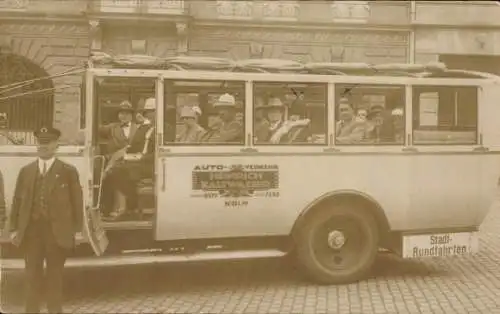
x,y
46,37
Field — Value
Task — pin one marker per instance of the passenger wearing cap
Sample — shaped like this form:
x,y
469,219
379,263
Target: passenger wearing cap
x,y
192,131
229,130
137,163
45,217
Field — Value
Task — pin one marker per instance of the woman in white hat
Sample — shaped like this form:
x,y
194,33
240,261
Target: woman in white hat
x,y
192,131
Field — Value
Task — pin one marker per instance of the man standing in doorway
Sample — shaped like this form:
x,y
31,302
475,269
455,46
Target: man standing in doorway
x,y
47,212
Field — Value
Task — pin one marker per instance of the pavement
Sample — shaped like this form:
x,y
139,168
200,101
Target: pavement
x,y
446,285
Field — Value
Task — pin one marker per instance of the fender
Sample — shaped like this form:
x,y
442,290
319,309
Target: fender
x,y
339,195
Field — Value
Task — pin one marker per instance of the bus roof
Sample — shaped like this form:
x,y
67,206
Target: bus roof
x,y
184,63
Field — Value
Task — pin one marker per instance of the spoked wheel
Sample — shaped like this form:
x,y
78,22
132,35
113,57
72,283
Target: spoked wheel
x,y
338,245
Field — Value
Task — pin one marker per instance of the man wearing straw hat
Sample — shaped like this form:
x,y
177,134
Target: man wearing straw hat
x,y
192,131
230,130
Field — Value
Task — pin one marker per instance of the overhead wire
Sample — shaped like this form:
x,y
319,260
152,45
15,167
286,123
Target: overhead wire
x,y
38,91
20,84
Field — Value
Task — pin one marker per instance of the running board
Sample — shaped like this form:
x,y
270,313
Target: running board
x,y
145,259
127,225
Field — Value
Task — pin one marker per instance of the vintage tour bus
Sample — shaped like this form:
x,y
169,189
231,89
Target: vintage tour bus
x,y
329,162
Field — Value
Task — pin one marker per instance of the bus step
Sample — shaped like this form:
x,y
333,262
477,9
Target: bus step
x,y
127,225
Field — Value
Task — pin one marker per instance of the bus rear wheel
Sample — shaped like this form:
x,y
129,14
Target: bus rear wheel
x,y
338,245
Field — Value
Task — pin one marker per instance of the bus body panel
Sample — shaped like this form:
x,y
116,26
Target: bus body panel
x,y
184,213
430,189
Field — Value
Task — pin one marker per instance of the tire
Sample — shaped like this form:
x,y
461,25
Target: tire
x,y
339,264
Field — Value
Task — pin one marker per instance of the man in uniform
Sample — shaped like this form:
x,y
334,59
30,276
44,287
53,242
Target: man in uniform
x,y
47,212
138,161
230,130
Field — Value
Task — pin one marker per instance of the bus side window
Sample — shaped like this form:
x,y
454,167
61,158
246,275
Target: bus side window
x,y
205,113
289,115
370,115
445,115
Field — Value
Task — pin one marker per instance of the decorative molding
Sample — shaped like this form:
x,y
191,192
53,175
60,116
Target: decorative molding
x,y
164,6
281,10
350,11
138,46
377,38
14,5
256,50
337,53
235,10
95,35
182,38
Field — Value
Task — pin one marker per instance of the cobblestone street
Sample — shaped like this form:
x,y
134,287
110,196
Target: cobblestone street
x,y
465,285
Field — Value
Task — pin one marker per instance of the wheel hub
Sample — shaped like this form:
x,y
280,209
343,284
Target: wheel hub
x,y
336,239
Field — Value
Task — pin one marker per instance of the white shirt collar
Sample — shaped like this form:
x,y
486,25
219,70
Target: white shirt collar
x,y
48,163
146,122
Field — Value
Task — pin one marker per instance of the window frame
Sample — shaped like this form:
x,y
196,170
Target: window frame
x,y
326,112
476,130
406,117
190,147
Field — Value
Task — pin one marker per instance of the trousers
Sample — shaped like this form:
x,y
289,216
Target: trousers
x,y
39,246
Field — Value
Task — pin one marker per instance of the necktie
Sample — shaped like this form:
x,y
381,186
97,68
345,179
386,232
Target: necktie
x,y
44,171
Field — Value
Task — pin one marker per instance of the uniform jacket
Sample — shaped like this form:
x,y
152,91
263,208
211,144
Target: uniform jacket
x,y
65,201
117,140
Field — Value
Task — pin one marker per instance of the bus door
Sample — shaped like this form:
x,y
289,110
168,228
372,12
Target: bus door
x,y
94,230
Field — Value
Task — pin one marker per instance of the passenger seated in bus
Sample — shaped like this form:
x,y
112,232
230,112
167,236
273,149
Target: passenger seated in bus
x,y
229,130
275,129
399,125
138,161
117,135
272,116
381,129
300,131
191,132
347,129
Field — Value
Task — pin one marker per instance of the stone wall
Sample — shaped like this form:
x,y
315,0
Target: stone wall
x,y
56,47
309,46
158,41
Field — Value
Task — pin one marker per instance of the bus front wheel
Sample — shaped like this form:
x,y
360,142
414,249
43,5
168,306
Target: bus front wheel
x,y
338,245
